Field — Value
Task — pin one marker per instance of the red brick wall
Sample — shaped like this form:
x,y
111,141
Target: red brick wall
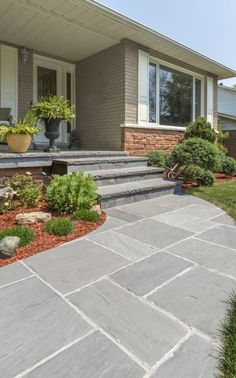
x,y
138,141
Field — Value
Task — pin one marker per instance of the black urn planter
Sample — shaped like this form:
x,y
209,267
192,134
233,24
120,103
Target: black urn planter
x,y
52,133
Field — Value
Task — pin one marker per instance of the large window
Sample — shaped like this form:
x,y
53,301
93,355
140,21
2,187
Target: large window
x,y
179,97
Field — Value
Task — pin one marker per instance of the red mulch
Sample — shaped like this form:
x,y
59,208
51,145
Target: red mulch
x,y
43,240
221,178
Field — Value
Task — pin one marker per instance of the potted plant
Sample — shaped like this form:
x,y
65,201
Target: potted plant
x,y
19,136
52,110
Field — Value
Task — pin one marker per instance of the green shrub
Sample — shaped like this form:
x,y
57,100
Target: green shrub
x,y
222,136
25,234
227,360
27,190
200,129
87,215
228,165
192,172
68,193
205,177
155,158
196,151
169,160
59,226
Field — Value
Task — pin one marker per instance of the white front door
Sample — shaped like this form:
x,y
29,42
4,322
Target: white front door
x,y
53,77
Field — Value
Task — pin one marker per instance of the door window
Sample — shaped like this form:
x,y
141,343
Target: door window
x,y
46,82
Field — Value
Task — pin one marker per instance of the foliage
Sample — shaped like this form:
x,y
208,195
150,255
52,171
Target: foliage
x,y
68,193
155,158
192,172
26,127
53,107
196,151
86,215
227,359
59,226
205,177
222,136
228,165
200,129
222,195
27,190
25,234
6,206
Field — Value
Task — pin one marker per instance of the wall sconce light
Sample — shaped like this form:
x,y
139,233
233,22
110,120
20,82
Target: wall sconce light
x,y
24,55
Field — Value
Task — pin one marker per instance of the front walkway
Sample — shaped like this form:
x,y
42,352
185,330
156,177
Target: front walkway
x,y
140,297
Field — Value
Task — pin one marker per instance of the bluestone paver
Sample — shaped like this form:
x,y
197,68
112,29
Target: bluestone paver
x,y
196,358
224,219
123,215
209,255
129,248
187,222
13,272
147,208
200,211
110,223
70,267
143,330
198,298
221,235
34,322
147,274
155,233
94,356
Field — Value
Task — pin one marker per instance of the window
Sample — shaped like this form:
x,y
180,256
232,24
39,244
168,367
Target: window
x,y
46,81
175,99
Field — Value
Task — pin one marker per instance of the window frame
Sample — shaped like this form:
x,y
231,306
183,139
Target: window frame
x,y
194,75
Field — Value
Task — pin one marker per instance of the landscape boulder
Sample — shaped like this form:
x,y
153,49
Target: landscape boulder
x,y
8,246
6,193
31,218
97,209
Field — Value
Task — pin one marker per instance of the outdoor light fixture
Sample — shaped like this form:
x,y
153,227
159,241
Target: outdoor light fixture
x,y
24,55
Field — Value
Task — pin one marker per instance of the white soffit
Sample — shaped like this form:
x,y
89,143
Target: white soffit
x,y
75,29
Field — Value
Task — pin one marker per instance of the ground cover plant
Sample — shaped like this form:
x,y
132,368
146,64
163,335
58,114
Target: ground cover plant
x,y
86,215
59,226
25,234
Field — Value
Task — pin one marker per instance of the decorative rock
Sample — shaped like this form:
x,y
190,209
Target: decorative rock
x,y
8,246
34,217
6,193
97,209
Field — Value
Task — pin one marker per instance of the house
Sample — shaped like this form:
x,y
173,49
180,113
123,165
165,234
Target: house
x,y
134,89
227,115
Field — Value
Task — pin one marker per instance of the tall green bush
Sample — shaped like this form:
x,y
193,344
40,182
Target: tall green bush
x,y
68,193
200,129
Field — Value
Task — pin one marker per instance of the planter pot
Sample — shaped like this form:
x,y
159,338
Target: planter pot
x,y
52,133
19,142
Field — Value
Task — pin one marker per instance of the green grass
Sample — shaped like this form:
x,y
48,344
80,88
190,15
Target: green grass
x,y
227,360
222,195
59,226
25,234
86,215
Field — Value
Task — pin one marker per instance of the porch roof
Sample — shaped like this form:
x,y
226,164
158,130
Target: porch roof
x,y
75,29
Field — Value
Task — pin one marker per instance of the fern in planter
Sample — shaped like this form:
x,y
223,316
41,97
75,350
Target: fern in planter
x,y
53,107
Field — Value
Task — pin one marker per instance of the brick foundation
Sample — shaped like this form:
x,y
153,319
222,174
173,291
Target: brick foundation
x,y
138,141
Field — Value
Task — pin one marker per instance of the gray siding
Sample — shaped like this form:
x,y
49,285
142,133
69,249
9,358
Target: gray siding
x,y
227,101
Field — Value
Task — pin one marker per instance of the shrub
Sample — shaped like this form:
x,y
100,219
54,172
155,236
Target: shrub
x,y
192,172
196,151
228,165
25,234
200,129
68,193
205,177
27,190
155,158
59,226
87,215
221,138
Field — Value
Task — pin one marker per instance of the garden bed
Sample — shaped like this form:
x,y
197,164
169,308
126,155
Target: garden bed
x,y
43,240
220,178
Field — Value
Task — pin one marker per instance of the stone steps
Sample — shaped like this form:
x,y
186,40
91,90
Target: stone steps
x,y
125,175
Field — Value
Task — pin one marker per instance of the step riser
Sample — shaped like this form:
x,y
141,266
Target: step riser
x,y
110,202
63,169
125,179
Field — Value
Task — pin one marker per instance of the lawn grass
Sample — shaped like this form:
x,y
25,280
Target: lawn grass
x,y
227,360
222,195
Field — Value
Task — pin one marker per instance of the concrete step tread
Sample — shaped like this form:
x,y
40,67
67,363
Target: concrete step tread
x,y
118,172
133,187
110,159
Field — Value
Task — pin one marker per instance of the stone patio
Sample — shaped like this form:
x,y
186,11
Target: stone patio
x,y
143,296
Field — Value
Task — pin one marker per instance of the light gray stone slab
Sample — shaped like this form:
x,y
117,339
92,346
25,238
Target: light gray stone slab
x,y
224,219
129,248
109,224
187,222
155,233
143,330
147,208
200,211
72,266
13,272
150,273
34,322
196,358
206,254
95,356
197,298
123,215
222,235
